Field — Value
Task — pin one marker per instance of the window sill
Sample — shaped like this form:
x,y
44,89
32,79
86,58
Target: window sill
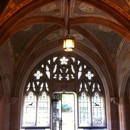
x,y
35,128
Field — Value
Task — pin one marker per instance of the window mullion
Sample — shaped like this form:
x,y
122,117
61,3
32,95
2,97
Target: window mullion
x,y
36,110
91,111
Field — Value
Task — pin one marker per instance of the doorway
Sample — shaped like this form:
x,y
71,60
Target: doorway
x,y
63,112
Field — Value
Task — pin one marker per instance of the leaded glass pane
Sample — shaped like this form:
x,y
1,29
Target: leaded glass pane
x,y
80,87
49,61
89,83
79,75
48,72
89,75
79,62
43,110
38,74
28,87
54,59
34,87
97,110
84,110
93,87
64,61
86,87
46,85
30,109
54,69
79,72
42,65
72,69
73,58
99,89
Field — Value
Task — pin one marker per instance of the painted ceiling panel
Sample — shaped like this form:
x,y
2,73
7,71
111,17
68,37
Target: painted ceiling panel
x,y
20,39
50,38
109,39
50,9
81,39
84,9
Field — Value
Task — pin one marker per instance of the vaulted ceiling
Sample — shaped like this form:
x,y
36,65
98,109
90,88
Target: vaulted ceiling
x,y
102,26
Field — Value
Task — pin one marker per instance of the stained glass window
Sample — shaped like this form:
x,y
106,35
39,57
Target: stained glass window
x,y
30,109
43,109
84,110
37,100
91,104
97,109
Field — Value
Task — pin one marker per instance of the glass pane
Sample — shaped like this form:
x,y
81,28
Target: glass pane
x,y
89,75
48,72
64,61
68,111
84,110
29,109
43,110
97,110
38,74
28,87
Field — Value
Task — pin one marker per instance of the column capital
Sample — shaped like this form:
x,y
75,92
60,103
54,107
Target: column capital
x,y
115,100
13,100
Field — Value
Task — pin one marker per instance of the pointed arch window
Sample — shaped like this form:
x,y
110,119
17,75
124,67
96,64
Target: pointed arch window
x,y
66,69
97,109
29,109
90,100
36,101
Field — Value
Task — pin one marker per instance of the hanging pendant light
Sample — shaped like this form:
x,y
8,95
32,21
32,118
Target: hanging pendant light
x,y
68,41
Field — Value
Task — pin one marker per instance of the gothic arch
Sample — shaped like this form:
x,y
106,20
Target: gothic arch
x,y
23,75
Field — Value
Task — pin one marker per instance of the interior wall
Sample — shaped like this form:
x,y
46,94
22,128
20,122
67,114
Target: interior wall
x,y
6,72
125,106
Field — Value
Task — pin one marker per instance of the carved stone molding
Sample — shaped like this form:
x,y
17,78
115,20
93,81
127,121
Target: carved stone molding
x,y
13,100
115,100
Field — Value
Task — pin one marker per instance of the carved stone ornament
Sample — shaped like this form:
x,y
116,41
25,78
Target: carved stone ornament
x,y
48,7
115,100
104,29
13,100
86,8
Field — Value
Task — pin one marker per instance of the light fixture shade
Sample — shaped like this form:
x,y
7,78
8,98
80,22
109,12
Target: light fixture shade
x,y
68,44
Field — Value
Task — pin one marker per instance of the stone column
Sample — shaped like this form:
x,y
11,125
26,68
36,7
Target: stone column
x,y
126,112
115,113
4,113
122,114
14,114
